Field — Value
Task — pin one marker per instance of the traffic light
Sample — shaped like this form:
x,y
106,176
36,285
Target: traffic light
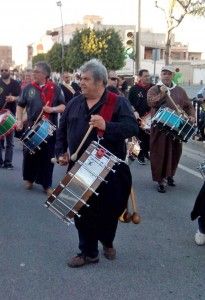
x,y
129,43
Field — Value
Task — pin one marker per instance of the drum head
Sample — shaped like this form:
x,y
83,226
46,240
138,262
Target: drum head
x,y
4,113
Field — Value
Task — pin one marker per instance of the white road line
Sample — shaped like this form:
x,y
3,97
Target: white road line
x,y
190,171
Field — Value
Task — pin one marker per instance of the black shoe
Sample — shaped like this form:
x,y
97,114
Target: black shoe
x,y
131,157
8,166
170,181
161,188
147,156
141,161
81,260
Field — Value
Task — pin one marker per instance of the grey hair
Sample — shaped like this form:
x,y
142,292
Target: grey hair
x,y
97,69
45,67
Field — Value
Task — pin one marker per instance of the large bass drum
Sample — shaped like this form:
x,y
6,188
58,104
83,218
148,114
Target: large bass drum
x,y
81,182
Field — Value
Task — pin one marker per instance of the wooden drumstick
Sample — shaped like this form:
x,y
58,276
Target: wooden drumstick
x,y
163,88
75,155
136,219
39,116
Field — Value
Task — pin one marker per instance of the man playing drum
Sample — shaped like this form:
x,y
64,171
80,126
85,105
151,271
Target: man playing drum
x,y
99,221
9,91
165,152
41,95
138,99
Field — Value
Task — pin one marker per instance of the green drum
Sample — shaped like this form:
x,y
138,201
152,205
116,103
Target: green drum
x,y
7,122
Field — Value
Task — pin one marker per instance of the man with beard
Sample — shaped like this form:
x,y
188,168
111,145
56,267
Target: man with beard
x,y
9,91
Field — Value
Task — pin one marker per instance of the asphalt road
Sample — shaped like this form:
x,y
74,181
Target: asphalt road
x,y
156,259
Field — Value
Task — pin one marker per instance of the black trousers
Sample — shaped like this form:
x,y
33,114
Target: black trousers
x,y
144,137
99,221
38,167
199,205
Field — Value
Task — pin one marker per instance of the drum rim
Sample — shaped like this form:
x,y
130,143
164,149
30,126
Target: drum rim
x,y
5,113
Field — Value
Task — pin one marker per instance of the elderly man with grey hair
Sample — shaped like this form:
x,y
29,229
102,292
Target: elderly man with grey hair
x,y
99,221
40,95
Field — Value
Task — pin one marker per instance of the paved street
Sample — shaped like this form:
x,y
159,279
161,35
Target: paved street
x,y
156,259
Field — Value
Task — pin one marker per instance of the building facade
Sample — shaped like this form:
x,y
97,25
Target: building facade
x,y
6,54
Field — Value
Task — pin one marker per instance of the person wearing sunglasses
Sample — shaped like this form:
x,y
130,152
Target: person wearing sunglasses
x,y
112,84
9,91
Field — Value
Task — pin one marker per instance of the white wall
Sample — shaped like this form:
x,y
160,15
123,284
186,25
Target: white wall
x,y
198,75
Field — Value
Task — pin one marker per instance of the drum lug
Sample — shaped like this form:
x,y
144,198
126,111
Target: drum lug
x,y
62,185
39,148
85,203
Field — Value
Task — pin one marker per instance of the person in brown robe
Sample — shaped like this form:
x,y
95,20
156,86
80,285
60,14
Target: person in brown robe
x,y
165,152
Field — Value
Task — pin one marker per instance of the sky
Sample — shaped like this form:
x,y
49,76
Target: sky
x,y
23,22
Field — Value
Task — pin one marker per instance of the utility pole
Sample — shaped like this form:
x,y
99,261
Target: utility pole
x,y
59,3
138,39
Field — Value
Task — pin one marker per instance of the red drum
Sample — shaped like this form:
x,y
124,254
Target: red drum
x,y
81,182
7,122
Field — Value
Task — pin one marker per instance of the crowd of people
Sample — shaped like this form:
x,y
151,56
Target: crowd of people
x,y
100,100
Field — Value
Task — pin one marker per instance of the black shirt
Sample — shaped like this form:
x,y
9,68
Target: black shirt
x,y
13,89
75,122
138,99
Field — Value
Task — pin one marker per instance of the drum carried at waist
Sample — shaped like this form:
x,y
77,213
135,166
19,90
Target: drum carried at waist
x,y
39,133
174,124
7,122
81,182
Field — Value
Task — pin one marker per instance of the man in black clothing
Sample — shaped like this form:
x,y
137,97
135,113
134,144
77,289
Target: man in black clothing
x,y
138,99
40,95
9,91
99,221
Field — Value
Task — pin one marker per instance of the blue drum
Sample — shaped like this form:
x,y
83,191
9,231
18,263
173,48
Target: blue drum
x,y
174,124
37,134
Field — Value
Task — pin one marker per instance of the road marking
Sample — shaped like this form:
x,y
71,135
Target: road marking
x,y
190,171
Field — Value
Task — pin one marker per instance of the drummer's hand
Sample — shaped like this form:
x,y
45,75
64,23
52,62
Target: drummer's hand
x,y
10,98
63,159
48,109
192,119
19,125
98,122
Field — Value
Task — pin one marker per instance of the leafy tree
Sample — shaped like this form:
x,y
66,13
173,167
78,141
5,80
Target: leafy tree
x,y
54,57
175,12
86,44
38,57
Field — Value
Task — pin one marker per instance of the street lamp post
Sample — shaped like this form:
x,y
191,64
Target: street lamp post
x,y
138,40
59,3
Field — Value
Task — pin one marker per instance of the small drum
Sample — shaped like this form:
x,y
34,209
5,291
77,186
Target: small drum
x,y
174,124
81,182
7,122
33,137
133,147
201,169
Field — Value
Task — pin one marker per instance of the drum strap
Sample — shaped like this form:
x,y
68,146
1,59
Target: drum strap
x,y
47,94
107,110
